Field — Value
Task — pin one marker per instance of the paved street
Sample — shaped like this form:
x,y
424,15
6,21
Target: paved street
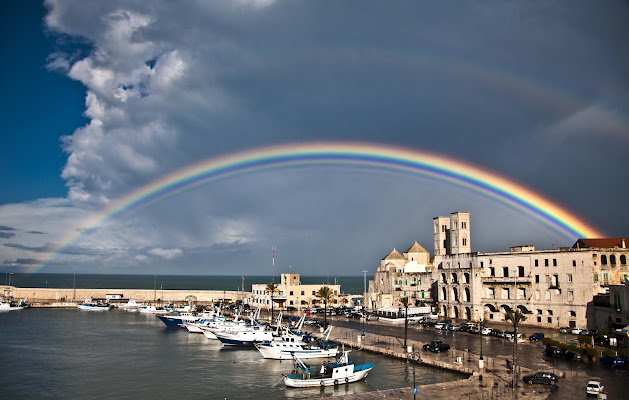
x,y
530,355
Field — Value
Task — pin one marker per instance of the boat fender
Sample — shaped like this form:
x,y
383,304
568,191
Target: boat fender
x,y
336,382
346,380
322,383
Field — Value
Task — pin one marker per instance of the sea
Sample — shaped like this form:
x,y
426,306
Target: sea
x,y
349,284
74,354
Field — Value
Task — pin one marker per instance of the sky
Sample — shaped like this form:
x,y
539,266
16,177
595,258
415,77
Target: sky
x,y
102,98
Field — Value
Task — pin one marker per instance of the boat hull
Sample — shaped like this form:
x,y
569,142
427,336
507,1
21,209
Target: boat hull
x,y
91,307
279,353
357,375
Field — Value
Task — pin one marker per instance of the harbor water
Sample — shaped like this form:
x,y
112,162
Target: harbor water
x,y
71,354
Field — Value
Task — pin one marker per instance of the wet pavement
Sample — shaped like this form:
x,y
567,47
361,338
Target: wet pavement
x,y
531,356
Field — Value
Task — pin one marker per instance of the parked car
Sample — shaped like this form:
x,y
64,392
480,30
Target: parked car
x,y
553,351
594,387
576,331
454,327
536,336
441,325
565,329
572,356
546,378
291,308
429,324
486,331
612,361
371,317
436,346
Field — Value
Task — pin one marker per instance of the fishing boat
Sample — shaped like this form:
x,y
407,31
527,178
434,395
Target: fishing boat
x,y
331,374
90,305
220,323
7,305
179,319
153,310
303,346
131,306
246,337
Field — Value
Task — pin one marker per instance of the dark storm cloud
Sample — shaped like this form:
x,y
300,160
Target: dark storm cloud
x,y
6,235
6,228
49,247
22,262
36,233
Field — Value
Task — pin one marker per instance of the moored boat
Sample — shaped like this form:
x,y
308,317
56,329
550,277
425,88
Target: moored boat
x,y
303,346
331,374
6,305
90,305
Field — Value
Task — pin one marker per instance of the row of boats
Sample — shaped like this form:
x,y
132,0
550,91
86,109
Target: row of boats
x,y
8,305
276,342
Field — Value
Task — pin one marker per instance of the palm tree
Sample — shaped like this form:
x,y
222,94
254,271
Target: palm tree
x,y
325,294
515,318
405,302
271,288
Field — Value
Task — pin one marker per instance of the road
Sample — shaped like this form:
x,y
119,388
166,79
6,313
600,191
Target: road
x,y
530,355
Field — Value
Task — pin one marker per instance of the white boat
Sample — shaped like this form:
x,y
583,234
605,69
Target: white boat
x,y
246,337
220,323
6,305
90,305
295,344
153,310
331,374
131,306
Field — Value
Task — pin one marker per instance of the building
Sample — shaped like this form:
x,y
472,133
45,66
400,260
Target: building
x,y
402,275
552,288
292,293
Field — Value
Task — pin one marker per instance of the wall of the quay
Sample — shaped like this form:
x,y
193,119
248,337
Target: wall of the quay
x,y
48,295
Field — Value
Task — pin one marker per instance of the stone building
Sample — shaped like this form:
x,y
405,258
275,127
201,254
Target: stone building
x,y
291,293
402,275
553,288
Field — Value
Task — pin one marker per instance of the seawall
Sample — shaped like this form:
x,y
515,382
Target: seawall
x,y
55,297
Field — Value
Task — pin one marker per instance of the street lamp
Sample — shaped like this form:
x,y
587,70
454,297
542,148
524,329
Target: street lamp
x,y
364,298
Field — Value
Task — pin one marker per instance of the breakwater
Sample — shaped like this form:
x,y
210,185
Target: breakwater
x,y
60,297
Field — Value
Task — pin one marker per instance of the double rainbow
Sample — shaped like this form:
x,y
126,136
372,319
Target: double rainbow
x,y
368,155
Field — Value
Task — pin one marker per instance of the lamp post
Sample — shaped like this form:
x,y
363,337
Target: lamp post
x,y
364,298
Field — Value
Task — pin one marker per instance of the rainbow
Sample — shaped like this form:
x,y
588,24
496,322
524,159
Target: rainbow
x,y
367,155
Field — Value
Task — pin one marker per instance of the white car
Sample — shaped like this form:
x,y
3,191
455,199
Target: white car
x,y
594,387
485,331
576,331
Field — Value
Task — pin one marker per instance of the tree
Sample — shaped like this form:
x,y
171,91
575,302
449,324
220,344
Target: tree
x,y
325,294
405,302
515,318
272,288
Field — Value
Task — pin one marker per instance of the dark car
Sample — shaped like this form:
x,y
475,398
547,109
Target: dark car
x,y
553,351
572,356
546,378
429,324
291,308
436,346
612,361
536,336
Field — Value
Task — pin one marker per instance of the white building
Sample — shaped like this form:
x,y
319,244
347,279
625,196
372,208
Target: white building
x,y
292,293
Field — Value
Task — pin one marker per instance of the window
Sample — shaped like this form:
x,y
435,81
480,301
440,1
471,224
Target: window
x,y
505,293
490,293
539,319
573,313
612,259
521,272
574,263
596,277
302,292
603,259
539,311
570,295
605,278
623,259
521,293
291,293
546,262
569,277
443,228
536,278
538,295
481,264
537,263
505,272
550,320
313,292
549,312
548,295
464,225
492,272
554,262
464,241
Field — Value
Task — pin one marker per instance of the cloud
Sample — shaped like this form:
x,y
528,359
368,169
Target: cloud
x,y
6,228
6,235
168,254
22,262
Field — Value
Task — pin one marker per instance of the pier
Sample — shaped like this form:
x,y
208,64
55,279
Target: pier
x,y
492,381
69,297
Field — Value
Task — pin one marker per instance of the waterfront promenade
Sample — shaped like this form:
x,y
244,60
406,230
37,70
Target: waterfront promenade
x,y
491,382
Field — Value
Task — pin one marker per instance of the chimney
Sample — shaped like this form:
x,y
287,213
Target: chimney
x,y
623,244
